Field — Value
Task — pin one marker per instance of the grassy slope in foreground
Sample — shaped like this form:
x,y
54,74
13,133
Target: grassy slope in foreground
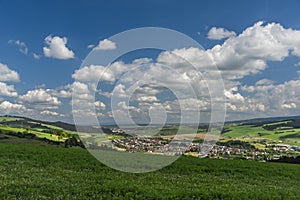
x,y
37,172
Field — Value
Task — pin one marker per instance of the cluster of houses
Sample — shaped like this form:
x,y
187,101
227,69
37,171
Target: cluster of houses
x,y
151,145
284,147
117,131
160,146
248,154
272,152
137,145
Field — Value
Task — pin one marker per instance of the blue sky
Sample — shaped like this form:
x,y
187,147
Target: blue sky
x,y
25,25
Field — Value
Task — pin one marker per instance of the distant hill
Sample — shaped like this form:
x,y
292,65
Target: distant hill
x,y
256,121
15,121
72,127
22,130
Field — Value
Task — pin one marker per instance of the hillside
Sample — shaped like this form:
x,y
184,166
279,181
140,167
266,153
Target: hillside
x,y
35,166
13,128
259,139
255,121
14,121
280,130
37,172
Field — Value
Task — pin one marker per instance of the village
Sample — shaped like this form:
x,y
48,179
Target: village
x,y
188,148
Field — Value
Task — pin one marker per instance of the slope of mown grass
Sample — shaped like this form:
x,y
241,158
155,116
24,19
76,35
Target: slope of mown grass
x,y
39,134
10,129
237,131
2,118
47,172
288,135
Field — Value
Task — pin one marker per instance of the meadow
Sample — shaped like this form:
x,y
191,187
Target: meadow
x,y
2,118
34,171
29,128
279,132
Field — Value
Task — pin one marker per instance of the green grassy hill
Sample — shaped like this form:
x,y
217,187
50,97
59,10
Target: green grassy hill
x,y
59,133
54,134
34,169
287,131
50,172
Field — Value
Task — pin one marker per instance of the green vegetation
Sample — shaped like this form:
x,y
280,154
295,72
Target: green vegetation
x,y
168,130
32,129
278,132
48,172
6,129
238,131
236,144
33,168
50,126
3,119
39,134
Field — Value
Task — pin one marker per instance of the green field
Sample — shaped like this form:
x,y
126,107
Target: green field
x,y
10,118
237,131
34,169
37,133
168,130
49,126
49,172
10,129
285,134
282,131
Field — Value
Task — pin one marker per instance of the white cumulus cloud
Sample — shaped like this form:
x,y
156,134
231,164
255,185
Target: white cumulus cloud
x,y
40,99
7,90
7,107
106,45
219,33
289,106
90,46
51,113
36,56
233,96
8,75
247,53
244,54
148,98
100,105
56,48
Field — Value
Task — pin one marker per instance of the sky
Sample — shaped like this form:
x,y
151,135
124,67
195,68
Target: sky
x,y
44,45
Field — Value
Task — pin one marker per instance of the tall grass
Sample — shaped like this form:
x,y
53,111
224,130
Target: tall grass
x,y
48,172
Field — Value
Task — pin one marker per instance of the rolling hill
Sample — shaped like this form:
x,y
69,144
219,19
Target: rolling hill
x,y
275,129
35,169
